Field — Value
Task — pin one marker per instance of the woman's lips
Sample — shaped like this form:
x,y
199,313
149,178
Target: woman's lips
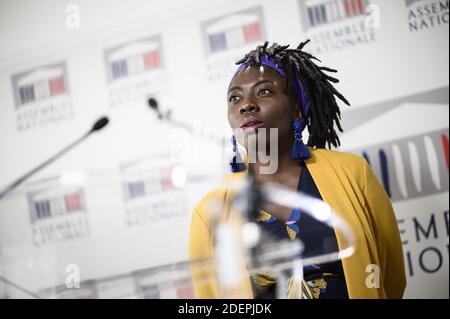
x,y
253,126
251,123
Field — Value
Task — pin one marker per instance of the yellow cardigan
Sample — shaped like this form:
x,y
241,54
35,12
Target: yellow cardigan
x,y
347,183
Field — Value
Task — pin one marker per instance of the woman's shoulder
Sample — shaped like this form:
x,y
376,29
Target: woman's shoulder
x,y
338,157
324,163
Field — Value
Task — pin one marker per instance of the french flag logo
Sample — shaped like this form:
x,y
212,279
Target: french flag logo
x,y
178,289
141,180
233,31
51,203
322,12
41,84
134,58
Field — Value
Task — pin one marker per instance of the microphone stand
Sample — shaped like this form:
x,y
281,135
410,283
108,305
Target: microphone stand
x,y
99,124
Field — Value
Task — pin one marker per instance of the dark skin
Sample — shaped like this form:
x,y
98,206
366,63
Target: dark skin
x,y
260,92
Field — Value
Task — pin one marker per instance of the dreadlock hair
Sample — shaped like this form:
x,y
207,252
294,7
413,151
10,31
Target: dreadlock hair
x,y
324,111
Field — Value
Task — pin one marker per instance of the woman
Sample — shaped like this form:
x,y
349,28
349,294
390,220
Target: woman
x,y
282,88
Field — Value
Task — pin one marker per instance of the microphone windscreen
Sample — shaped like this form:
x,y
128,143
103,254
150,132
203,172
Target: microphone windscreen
x,y
153,103
101,123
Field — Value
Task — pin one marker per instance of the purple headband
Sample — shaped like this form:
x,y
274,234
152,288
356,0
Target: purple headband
x,y
302,96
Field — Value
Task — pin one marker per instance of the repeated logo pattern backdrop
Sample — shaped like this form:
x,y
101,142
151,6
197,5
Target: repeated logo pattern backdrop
x,y
58,214
337,25
226,38
41,96
150,195
424,15
135,71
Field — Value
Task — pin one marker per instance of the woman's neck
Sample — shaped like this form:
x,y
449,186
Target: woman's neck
x,y
287,171
287,174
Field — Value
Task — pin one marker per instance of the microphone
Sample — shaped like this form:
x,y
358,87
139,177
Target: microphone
x,y
153,103
98,125
101,123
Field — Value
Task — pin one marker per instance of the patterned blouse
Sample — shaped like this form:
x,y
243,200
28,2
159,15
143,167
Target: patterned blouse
x,y
325,281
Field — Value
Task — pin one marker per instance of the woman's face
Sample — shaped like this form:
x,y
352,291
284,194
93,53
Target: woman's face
x,y
257,100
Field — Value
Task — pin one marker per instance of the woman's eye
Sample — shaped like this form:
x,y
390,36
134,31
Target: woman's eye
x,y
233,99
264,92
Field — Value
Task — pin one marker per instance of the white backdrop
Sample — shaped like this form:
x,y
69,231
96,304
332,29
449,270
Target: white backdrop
x,y
55,80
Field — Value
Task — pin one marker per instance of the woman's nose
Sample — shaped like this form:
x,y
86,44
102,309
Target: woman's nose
x,y
248,108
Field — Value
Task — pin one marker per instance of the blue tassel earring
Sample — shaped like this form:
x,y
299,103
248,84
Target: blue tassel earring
x,y
299,150
236,164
